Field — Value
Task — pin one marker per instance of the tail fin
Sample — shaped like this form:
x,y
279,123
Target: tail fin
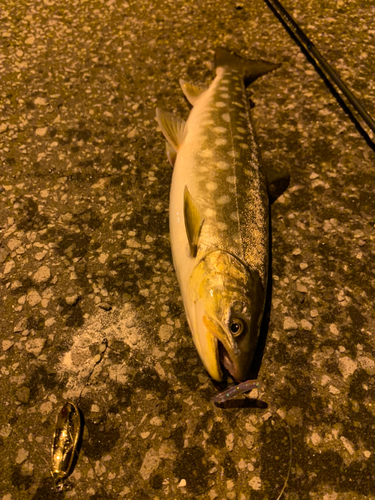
x,y
250,68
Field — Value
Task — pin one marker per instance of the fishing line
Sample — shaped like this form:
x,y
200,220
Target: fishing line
x,y
290,459
245,389
289,432
97,358
68,433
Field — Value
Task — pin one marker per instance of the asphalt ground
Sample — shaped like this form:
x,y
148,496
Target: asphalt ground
x,y
85,258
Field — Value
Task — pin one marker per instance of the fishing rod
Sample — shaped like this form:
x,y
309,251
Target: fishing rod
x,y
331,75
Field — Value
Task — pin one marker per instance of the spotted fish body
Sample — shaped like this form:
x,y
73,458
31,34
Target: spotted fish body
x,y
219,216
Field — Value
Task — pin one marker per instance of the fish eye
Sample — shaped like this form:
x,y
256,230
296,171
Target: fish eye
x,y
236,326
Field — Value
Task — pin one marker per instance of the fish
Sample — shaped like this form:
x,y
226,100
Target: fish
x,y
66,443
219,215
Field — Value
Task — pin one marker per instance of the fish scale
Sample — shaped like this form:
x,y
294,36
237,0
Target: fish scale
x,y
219,215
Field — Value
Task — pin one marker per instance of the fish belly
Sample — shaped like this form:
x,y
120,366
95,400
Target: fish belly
x,y
219,163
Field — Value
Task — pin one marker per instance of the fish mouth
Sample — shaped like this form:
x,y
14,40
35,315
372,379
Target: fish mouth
x,y
225,359
220,354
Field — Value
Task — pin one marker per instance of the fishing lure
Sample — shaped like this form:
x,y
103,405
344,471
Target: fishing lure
x,y
66,441
68,432
236,390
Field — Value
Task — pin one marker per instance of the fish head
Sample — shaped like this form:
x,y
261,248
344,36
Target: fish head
x,y
228,307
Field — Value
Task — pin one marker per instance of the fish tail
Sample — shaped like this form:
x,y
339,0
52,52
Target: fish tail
x,y
250,68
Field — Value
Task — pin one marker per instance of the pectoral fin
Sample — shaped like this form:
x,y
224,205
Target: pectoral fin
x,y
193,221
173,128
192,91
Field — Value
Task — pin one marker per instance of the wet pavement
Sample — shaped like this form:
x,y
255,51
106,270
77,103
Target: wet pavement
x,y
85,256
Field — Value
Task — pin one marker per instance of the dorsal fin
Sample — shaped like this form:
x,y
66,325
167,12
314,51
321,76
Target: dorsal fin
x,y
193,221
192,91
173,128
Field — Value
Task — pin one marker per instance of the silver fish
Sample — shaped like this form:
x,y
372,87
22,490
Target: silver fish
x,y
66,439
219,215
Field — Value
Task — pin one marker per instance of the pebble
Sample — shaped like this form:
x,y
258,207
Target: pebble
x,y
367,364
229,441
213,494
40,255
9,266
33,298
165,332
156,421
42,275
30,40
289,324
42,101
133,243
347,444
15,284
347,366
103,257
7,344
23,394
20,326
182,483
41,131
46,408
150,463
333,390
3,255
35,346
100,468
249,441
6,431
306,325
71,300
255,483
333,329
21,456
